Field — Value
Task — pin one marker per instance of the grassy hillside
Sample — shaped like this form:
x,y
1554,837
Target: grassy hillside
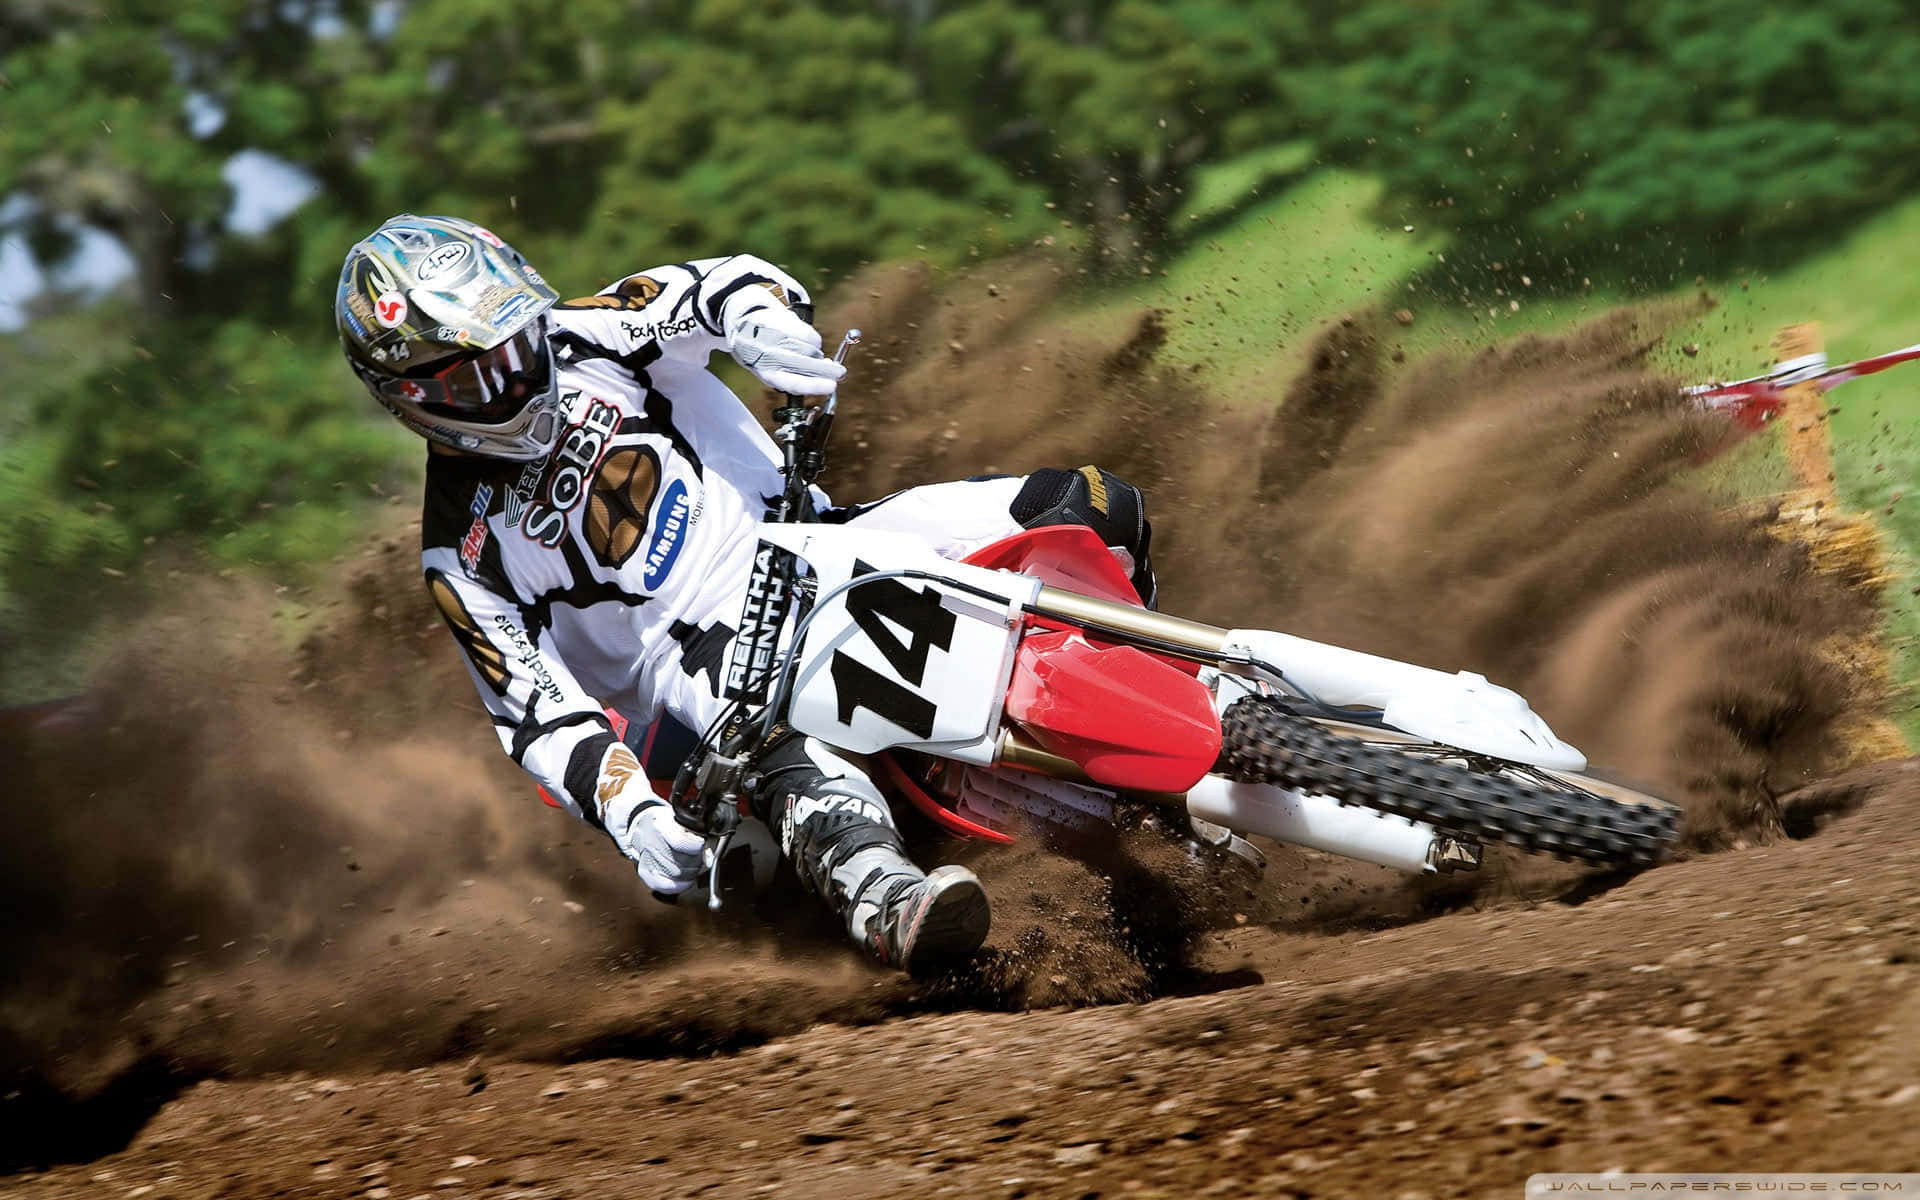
x,y
1247,297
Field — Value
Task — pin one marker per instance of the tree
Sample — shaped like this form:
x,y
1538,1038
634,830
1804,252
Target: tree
x,y
1111,105
1575,126
606,135
786,129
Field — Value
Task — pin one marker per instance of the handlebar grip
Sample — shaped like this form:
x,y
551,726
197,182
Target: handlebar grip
x,y
685,799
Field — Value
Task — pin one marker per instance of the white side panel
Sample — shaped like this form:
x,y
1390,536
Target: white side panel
x,y
901,662
1319,822
1462,710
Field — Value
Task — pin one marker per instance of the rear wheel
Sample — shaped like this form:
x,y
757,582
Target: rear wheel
x,y
1457,792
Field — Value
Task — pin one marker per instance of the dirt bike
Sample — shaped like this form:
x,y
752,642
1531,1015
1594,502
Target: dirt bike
x,y
1027,691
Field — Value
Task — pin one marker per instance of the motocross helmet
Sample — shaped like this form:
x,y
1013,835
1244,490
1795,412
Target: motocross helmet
x,y
446,325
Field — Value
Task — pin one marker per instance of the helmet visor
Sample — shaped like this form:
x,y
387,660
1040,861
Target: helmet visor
x,y
489,387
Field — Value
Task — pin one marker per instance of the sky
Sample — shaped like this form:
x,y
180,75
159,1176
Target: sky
x,y
266,190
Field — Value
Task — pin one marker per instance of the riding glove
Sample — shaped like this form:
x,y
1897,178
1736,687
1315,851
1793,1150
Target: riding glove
x,y
667,853
772,341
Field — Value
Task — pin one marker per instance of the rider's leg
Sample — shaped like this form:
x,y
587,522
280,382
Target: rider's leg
x,y
1104,503
955,519
837,829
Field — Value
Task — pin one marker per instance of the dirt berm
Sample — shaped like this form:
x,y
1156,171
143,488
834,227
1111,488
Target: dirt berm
x,y
285,922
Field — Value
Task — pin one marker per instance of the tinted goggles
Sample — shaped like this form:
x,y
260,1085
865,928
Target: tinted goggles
x,y
489,387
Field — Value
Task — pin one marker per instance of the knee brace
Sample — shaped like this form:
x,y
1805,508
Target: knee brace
x,y
1105,503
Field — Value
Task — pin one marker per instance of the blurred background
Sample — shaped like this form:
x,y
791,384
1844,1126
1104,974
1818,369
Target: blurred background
x,y
1387,304
179,181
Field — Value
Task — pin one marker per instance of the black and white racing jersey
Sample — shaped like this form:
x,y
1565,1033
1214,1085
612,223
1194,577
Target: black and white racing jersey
x,y
606,574
613,572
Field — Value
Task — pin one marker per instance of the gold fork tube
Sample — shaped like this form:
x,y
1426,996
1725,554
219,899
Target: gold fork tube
x,y
1019,751
1208,641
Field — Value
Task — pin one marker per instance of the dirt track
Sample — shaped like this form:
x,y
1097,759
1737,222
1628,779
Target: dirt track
x,y
1756,1009
307,889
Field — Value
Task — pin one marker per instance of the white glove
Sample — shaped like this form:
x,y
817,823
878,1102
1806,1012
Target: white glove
x,y
667,853
780,349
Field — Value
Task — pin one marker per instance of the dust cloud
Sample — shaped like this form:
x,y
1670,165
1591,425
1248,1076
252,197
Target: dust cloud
x,y
238,852
235,854
1527,512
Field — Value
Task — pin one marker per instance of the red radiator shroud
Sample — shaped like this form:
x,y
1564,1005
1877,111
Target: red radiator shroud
x,y
1128,718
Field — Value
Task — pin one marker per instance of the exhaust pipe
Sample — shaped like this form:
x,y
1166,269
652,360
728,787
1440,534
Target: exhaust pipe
x,y
1318,822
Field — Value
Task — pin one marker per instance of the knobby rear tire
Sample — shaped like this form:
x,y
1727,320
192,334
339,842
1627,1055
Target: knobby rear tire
x,y
1266,742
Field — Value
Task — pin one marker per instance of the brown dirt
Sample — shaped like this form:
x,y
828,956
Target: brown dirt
x,y
252,866
1752,1010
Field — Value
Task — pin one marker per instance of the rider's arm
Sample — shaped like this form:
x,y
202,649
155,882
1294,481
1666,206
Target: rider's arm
x,y
546,722
686,310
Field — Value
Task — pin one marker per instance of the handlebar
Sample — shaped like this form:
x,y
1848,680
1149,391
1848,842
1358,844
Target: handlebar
x,y
710,788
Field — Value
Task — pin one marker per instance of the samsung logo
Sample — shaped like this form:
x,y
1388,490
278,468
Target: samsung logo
x,y
669,537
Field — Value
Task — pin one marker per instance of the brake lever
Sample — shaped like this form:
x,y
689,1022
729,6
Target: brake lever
x,y
847,343
716,851
706,799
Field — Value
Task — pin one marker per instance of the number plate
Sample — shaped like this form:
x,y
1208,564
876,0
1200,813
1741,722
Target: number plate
x,y
901,662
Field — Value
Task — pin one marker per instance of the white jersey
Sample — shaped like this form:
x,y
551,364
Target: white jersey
x,y
612,573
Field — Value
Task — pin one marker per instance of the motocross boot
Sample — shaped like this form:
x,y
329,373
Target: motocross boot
x,y
836,828
924,925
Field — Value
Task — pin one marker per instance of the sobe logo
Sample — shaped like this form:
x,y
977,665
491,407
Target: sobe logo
x,y
669,536
573,464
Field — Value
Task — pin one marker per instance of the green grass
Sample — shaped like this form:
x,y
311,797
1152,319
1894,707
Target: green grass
x,y
1220,187
1246,299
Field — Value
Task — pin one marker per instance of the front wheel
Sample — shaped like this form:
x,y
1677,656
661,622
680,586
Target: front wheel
x,y
1468,795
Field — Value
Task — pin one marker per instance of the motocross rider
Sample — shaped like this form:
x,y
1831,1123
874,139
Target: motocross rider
x,y
592,495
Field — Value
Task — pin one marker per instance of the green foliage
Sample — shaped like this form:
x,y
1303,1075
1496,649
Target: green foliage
x,y
1112,106
1578,125
675,129
845,166
224,432
204,432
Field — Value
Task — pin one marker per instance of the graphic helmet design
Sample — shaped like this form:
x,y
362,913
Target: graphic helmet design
x,y
446,325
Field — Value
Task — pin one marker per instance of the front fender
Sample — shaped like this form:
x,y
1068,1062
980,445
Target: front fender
x,y
1466,711
1462,710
